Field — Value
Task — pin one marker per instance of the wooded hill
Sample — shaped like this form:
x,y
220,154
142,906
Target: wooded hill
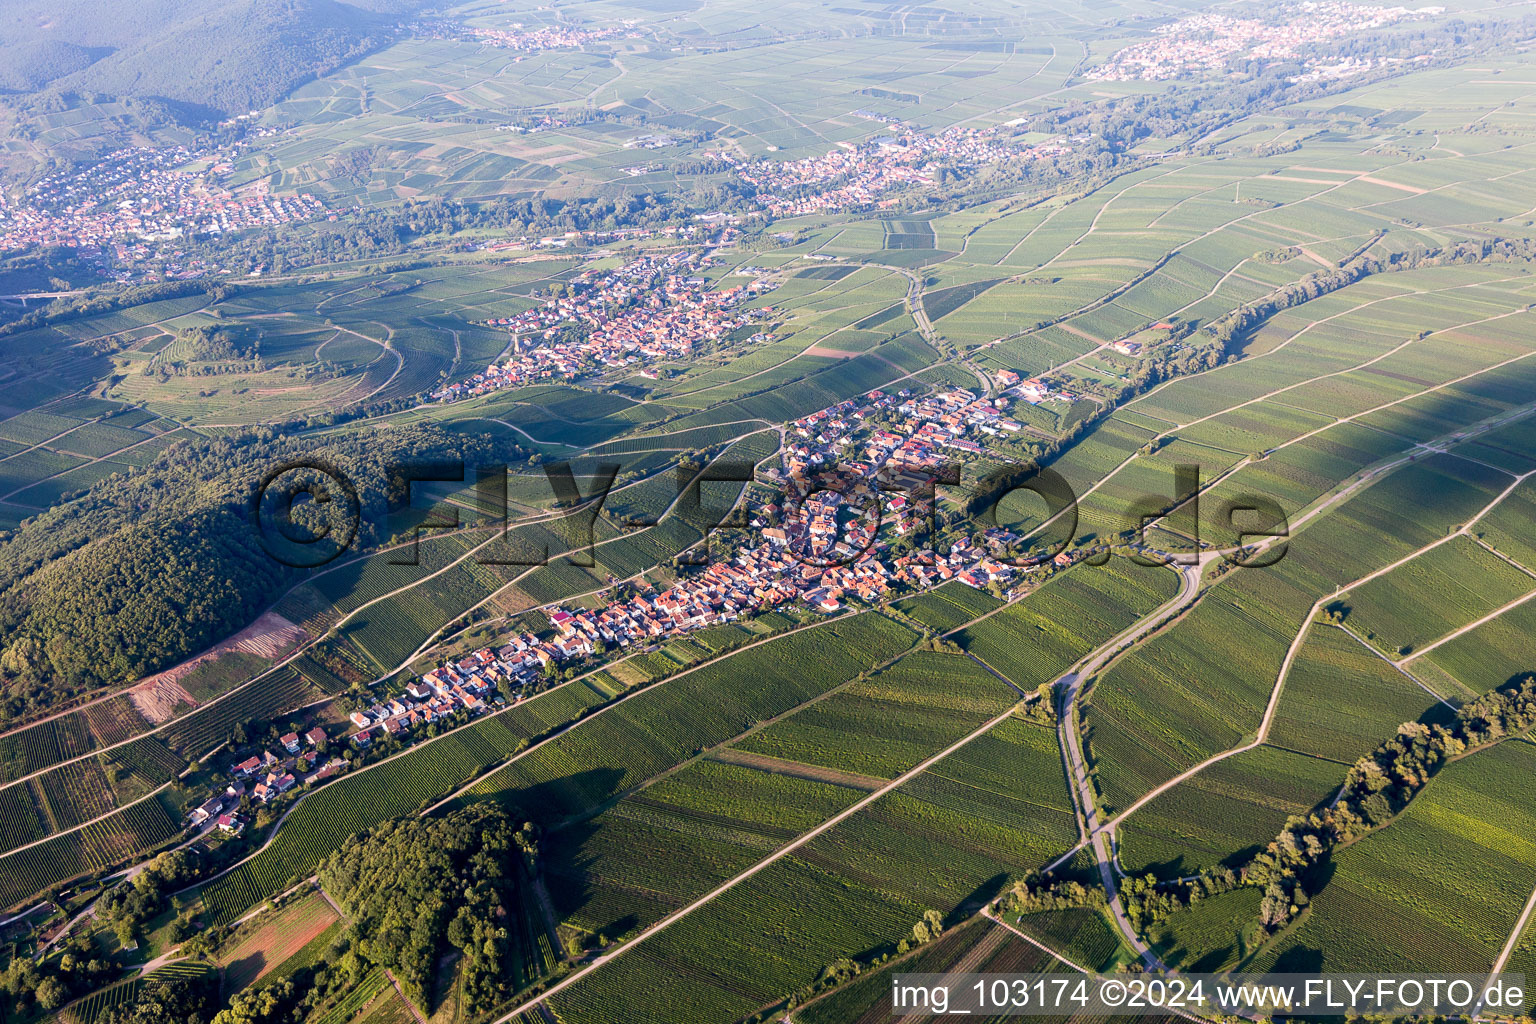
x,y
204,58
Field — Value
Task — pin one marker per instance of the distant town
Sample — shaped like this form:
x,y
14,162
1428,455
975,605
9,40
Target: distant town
x,y
862,175
1211,42
136,197
651,308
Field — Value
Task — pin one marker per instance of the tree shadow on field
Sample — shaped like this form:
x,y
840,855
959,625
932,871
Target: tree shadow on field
x,y
240,973
572,874
980,896
551,801
1298,960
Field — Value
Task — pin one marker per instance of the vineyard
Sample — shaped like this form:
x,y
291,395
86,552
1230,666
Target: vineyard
x,y
72,793
94,1005
1379,913
88,1009
115,720
1214,817
132,830
671,842
148,759
979,946
1341,699
1190,692
269,941
33,748
937,698
1037,639
948,606
357,999
19,823
272,695
658,728
994,810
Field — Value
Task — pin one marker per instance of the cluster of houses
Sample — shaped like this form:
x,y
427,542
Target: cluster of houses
x,y
1035,390
929,431
654,307
752,579
555,37
146,194
536,124
852,176
264,777
762,577
464,685
829,524
1211,42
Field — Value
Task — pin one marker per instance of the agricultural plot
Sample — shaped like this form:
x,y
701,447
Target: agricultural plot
x,y
1449,587
1342,699
1190,692
276,693
115,720
36,747
147,759
72,793
936,698
1225,813
669,843
859,886
659,728
373,988
311,955
1212,934
1084,936
19,821
130,831
21,471
867,999
1511,528
1037,639
272,939
87,1010
948,606
1299,474
1439,889
1489,656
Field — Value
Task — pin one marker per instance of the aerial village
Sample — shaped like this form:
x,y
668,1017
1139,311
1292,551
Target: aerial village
x,y
651,308
815,545
136,197
1210,42
818,546
861,175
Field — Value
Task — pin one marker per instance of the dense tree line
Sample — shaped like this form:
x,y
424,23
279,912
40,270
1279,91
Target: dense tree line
x,y
416,888
389,231
193,1000
198,60
107,300
1377,789
1032,896
151,566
